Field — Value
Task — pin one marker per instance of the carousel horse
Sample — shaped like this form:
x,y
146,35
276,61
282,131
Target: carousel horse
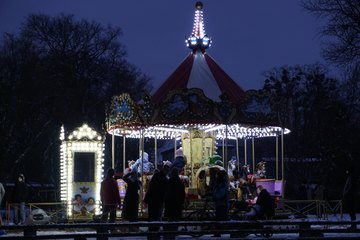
x,y
261,169
247,182
231,167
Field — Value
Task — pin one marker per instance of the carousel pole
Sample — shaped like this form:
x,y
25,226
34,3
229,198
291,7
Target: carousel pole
x,y
237,154
174,147
141,146
226,148
203,147
191,160
223,148
253,154
113,150
277,157
155,145
282,159
124,152
245,157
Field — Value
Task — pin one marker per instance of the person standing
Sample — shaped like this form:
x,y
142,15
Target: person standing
x,y
19,197
155,196
131,200
110,197
220,197
2,194
174,199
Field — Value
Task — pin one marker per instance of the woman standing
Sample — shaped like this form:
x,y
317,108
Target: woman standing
x,y
131,200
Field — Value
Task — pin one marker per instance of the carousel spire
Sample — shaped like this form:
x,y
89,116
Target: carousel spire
x,y
198,38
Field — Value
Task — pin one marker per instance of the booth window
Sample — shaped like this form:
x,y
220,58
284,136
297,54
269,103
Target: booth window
x,y
84,166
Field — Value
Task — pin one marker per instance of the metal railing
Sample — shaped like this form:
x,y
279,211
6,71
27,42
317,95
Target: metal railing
x,y
320,208
238,229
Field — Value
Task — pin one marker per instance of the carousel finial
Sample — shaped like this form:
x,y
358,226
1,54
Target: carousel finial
x,y
199,5
198,38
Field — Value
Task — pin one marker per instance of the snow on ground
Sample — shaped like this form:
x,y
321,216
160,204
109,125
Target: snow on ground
x,y
309,218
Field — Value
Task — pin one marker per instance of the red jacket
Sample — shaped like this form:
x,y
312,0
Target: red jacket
x,y
109,192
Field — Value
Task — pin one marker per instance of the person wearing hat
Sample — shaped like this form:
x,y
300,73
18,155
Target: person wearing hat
x,y
19,197
179,161
135,166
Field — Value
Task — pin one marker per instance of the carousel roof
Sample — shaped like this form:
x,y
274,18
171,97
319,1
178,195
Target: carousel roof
x,y
199,70
197,95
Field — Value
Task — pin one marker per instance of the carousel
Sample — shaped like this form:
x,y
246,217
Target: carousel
x,y
198,106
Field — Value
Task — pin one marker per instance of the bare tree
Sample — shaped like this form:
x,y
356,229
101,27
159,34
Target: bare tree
x,y
342,29
56,70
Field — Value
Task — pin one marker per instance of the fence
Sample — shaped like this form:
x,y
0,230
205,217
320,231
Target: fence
x,y
238,229
320,208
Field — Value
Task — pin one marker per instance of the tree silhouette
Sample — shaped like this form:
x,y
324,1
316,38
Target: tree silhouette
x,y
57,70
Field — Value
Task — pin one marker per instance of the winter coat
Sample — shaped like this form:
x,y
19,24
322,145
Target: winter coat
x,y
136,167
266,203
179,163
174,198
131,200
109,192
220,194
155,194
20,192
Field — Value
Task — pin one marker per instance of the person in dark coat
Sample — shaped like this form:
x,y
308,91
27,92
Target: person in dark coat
x,y
179,161
110,197
155,196
264,206
175,196
131,200
19,197
220,195
174,200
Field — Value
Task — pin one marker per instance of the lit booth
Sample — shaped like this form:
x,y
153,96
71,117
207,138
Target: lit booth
x,y
81,171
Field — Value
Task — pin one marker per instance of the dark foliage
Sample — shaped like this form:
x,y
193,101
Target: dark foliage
x,y
56,71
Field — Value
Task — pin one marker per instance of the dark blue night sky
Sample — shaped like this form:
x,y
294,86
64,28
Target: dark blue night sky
x,y
249,36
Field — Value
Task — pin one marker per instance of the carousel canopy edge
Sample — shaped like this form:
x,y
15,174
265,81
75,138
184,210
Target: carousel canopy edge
x,y
184,109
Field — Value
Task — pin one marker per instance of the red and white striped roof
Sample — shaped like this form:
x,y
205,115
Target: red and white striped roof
x,y
199,70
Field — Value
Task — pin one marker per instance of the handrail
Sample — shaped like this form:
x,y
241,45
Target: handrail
x,y
225,227
322,208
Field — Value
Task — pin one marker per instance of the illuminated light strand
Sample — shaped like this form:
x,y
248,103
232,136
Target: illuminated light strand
x,y
198,36
168,131
78,141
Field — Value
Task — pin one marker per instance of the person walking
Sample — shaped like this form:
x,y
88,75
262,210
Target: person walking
x,y
174,200
19,197
155,196
131,200
110,197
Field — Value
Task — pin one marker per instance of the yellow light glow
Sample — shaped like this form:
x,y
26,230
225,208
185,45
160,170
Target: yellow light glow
x,y
83,139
